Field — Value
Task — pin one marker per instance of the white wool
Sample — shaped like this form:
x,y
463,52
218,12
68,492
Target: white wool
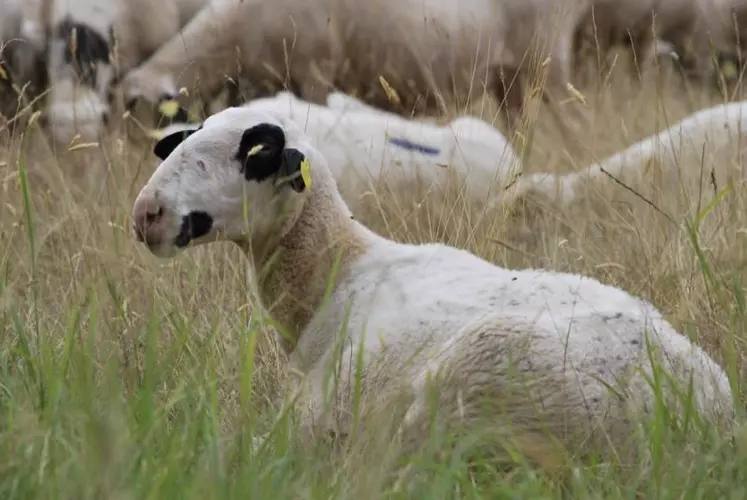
x,y
369,146
74,110
705,130
413,310
437,46
365,145
141,26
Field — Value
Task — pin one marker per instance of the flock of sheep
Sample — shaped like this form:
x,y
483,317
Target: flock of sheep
x,y
538,350
428,52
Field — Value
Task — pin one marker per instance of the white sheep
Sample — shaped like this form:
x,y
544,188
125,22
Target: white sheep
x,y
542,349
365,145
81,54
418,46
706,131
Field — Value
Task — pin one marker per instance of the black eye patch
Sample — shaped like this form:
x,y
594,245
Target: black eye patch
x,y
194,225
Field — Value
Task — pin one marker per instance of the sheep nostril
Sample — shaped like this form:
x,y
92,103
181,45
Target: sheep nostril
x,y
152,217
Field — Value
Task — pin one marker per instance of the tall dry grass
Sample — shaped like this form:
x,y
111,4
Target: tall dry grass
x,y
126,377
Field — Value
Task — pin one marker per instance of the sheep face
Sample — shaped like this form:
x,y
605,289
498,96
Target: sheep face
x,y
81,73
240,176
141,84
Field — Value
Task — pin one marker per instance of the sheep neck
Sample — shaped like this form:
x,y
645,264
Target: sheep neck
x,y
317,247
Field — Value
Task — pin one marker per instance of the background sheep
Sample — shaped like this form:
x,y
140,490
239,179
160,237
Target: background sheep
x,y
709,129
366,146
459,51
21,78
411,314
83,59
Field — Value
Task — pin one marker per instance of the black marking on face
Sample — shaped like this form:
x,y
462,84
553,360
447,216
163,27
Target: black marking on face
x,y
168,144
85,49
194,225
273,159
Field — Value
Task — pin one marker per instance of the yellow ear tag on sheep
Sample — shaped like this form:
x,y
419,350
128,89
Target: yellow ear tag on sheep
x,y
306,172
256,149
169,108
729,70
3,74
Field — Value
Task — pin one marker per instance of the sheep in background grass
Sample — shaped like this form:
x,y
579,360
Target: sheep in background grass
x,y
313,47
706,130
540,349
87,39
650,28
21,71
366,145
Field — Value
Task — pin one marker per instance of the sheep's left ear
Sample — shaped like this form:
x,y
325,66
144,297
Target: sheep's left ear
x,y
263,156
295,169
165,146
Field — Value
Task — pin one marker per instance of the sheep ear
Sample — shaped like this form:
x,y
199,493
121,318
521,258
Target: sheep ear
x,y
295,170
261,151
263,154
165,146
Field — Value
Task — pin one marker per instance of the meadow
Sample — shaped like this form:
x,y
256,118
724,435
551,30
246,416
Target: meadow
x,y
125,377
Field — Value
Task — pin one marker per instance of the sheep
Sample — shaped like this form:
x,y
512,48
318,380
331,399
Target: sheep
x,y
410,313
364,145
709,128
650,28
84,36
19,58
695,31
460,50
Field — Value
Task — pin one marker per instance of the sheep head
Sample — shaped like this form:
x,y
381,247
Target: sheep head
x,y
241,176
148,85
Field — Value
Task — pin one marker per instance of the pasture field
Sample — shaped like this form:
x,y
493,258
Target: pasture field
x,y
125,377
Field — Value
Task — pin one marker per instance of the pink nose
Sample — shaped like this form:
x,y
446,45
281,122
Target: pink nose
x,y
147,217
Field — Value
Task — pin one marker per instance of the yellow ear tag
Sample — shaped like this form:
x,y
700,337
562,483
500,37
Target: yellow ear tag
x,y
169,108
256,149
3,74
306,172
729,70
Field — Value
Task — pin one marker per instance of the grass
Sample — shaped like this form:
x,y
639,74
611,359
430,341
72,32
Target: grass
x,y
125,377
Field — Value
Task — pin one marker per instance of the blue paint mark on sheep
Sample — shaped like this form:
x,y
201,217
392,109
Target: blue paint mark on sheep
x,y
413,146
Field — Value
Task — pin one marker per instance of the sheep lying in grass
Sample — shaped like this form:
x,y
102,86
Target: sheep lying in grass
x,y
706,130
541,349
364,145
423,50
